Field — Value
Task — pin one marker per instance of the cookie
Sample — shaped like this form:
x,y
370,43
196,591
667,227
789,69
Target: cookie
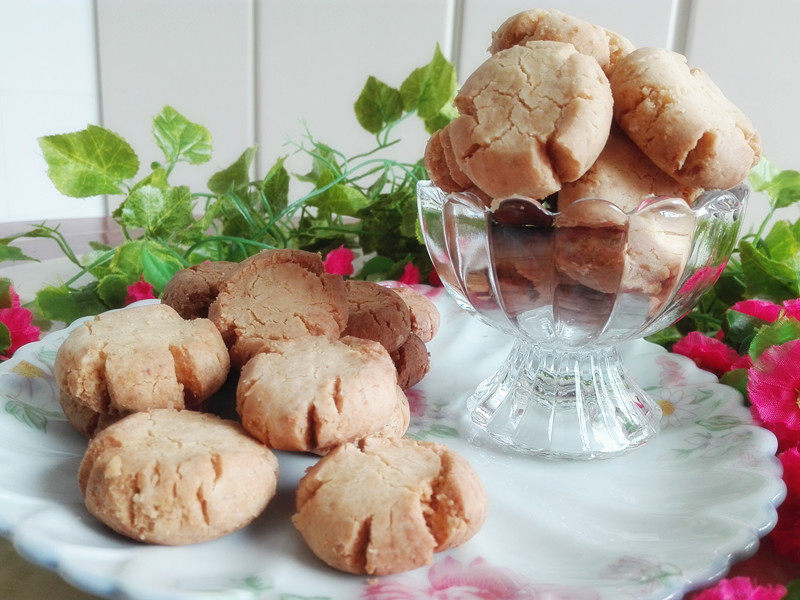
x,y
385,506
624,176
424,314
278,295
191,291
532,117
311,394
141,358
85,420
437,167
377,313
176,477
605,46
411,361
682,121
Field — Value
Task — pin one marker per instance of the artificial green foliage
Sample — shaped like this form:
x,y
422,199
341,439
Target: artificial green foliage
x,y
180,139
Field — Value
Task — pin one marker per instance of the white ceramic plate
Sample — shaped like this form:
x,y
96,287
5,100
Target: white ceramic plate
x,y
667,518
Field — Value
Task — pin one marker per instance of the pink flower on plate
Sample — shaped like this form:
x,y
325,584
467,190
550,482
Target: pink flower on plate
x,y
741,588
760,309
141,290
708,353
339,261
774,388
671,371
410,274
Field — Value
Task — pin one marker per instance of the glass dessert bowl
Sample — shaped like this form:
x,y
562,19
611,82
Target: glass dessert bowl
x,y
569,286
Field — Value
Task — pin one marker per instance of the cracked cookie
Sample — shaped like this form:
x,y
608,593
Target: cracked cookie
x,y
278,295
176,477
385,506
83,419
311,394
191,291
424,314
605,46
411,361
532,117
141,358
377,313
682,121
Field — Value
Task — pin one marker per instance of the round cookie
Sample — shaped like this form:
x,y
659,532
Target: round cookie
x,y
411,361
377,313
311,394
191,291
605,46
624,176
176,477
141,358
682,121
532,117
437,165
278,295
85,420
424,314
385,506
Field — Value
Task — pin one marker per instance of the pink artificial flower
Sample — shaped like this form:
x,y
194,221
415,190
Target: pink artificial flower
x,y
410,275
790,459
702,278
792,308
773,385
141,290
434,278
707,352
339,261
19,322
760,309
741,588
786,535
743,362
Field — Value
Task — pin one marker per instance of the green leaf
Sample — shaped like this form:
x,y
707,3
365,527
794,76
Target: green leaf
x,y
666,337
720,422
99,246
5,338
781,331
324,162
158,268
429,88
339,198
180,139
13,253
792,590
89,162
740,329
781,243
377,105
376,264
762,174
767,278
61,304
784,189
113,289
737,379
730,286
275,186
233,177
5,292
446,114
162,214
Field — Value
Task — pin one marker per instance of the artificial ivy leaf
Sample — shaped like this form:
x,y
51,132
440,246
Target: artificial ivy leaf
x,y
784,188
113,289
275,186
324,162
127,260
377,105
99,246
740,329
429,88
233,177
737,379
781,243
158,267
89,162
375,265
781,331
180,139
340,199
767,278
61,304
446,114
161,213
5,339
666,337
762,174
12,253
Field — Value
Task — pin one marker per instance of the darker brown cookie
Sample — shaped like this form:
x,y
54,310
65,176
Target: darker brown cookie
x,y
424,314
191,291
377,313
411,361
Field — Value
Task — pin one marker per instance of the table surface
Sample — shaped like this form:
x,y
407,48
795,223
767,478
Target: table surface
x,y
20,580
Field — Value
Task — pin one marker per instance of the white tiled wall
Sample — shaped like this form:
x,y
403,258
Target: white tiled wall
x,y
250,70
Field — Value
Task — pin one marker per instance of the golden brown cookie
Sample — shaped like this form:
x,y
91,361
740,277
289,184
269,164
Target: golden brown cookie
x,y
605,46
85,420
311,394
437,167
141,358
624,176
411,361
191,291
377,313
278,295
385,506
682,121
424,314
532,117
176,477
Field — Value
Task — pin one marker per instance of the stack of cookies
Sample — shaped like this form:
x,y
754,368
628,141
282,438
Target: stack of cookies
x,y
322,364
564,111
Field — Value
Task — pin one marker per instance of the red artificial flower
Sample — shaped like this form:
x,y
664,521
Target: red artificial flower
x,y
792,308
18,320
707,352
743,362
760,309
790,459
786,535
773,386
410,275
141,290
742,588
434,278
339,261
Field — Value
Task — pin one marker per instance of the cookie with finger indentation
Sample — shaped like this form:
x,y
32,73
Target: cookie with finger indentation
x,y
191,291
377,313
411,361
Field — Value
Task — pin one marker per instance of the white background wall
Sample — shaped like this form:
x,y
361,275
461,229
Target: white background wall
x,y
250,70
